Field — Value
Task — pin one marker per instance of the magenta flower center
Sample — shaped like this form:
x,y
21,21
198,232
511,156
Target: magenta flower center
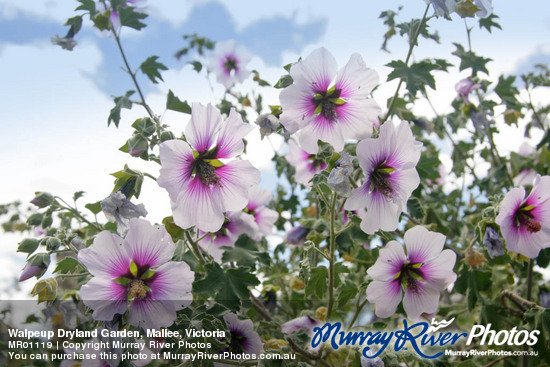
x,y
524,217
409,276
230,64
137,281
380,179
326,103
204,168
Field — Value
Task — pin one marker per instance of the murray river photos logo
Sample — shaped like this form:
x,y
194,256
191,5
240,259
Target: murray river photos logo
x,y
418,335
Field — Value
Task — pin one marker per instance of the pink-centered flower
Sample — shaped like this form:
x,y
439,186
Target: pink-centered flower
x,y
235,224
228,62
135,274
263,217
525,220
464,88
243,339
420,273
328,104
389,163
305,164
202,187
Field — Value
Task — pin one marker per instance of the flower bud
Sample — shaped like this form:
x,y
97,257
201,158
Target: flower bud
x,y
36,266
28,245
46,221
494,244
267,123
474,258
297,235
42,199
321,313
45,289
166,135
52,244
34,219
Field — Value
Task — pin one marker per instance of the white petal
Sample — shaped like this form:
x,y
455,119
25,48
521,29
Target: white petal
x,y
424,300
230,139
355,79
385,295
173,282
147,244
106,257
423,245
320,129
389,263
105,297
201,130
176,158
236,178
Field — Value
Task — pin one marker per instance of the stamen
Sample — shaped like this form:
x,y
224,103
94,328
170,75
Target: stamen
x,y
380,180
137,289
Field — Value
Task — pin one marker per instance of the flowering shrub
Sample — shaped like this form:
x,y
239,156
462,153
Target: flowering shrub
x,y
380,214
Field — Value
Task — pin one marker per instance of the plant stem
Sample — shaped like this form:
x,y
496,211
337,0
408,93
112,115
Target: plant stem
x,y
332,248
413,41
195,248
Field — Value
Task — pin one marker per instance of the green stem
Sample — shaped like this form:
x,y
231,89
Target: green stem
x,y
332,248
412,43
195,248
77,213
358,308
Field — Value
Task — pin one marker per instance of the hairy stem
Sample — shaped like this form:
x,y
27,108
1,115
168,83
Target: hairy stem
x,y
332,248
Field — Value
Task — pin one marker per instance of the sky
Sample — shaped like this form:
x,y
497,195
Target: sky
x,y
54,105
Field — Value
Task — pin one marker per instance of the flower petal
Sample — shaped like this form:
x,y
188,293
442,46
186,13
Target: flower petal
x,y
147,244
236,178
355,79
230,139
438,273
423,245
176,159
385,295
106,257
423,300
198,205
151,314
389,263
173,281
201,130
315,71
321,129
105,297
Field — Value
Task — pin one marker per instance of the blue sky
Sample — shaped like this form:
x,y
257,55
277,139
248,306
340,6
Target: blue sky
x,y
55,103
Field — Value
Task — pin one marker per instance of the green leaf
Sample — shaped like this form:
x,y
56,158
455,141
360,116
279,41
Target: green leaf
x,y
245,253
46,290
317,285
469,60
175,104
75,23
129,17
284,82
347,291
133,268
234,288
122,280
507,92
95,208
416,76
87,5
120,103
151,67
415,209
213,280
489,22
28,245
197,66
67,265
77,195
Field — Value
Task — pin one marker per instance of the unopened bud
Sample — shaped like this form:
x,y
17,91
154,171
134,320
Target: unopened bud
x,y
42,199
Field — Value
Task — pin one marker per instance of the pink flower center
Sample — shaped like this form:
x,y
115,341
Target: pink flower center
x,y
524,217
327,102
230,64
204,167
380,179
409,276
